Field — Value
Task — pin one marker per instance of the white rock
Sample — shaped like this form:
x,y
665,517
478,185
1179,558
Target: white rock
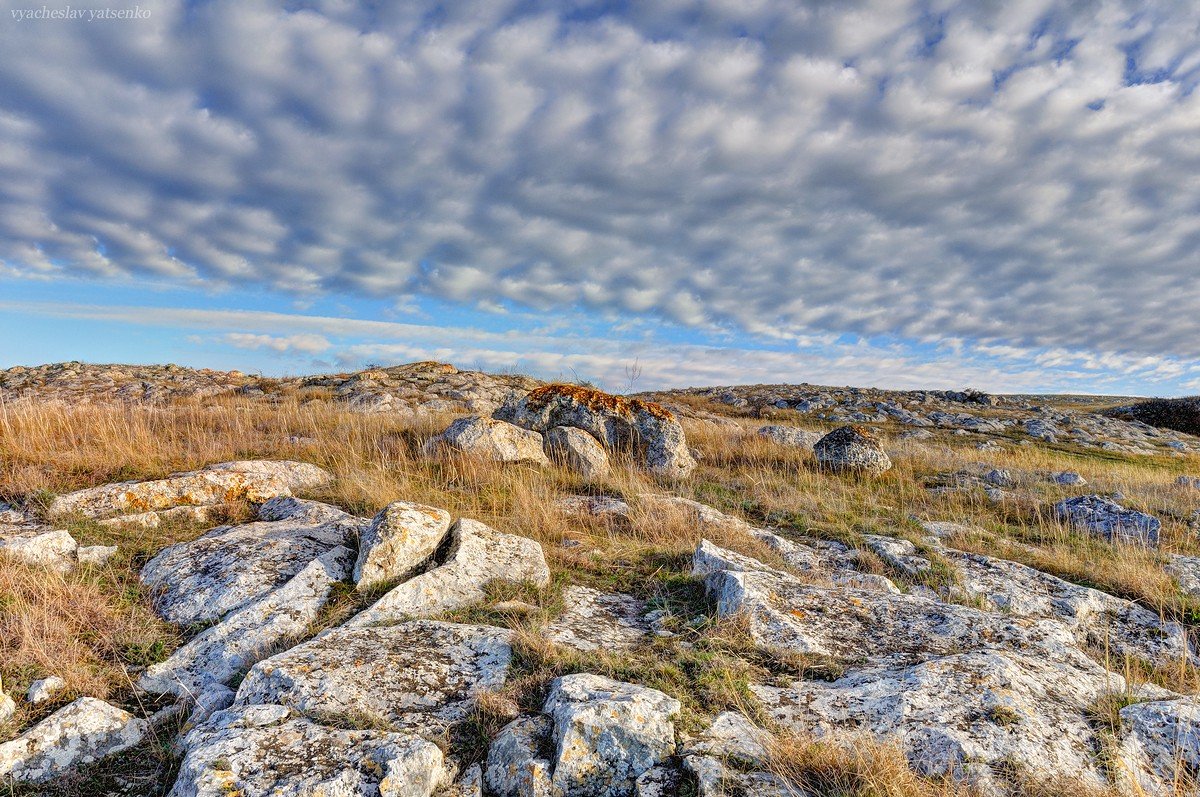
x,y
269,751
400,539
152,520
595,505
1068,477
231,566
479,555
491,439
1161,744
250,480
1105,517
95,555
420,675
469,784
576,450
42,690
515,766
825,558
80,733
8,706
607,733
982,707
226,650
595,620
54,549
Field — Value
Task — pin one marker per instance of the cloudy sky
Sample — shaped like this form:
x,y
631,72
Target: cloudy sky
x,y
1003,195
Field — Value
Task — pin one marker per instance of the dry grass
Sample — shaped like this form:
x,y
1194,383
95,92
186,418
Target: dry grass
x,y
89,626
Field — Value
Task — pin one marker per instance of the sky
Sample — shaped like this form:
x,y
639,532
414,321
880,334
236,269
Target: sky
x,y
934,194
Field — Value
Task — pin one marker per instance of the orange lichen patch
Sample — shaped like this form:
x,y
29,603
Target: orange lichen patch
x,y
596,400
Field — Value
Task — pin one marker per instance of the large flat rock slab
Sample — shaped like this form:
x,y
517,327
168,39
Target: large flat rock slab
x,y
219,654
232,566
421,675
948,714
272,751
249,480
479,555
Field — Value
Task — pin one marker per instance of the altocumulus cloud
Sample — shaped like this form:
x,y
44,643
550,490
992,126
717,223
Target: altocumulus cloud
x,y
1018,174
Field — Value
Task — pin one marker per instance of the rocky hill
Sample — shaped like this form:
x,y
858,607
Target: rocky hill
x,y
425,581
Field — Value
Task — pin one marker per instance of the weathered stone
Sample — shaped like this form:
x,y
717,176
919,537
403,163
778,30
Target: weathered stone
x,y
982,707
852,449
1069,478
790,436
95,555
469,784
8,706
491,439
80,733
787,615
250,480
176,514
576,450
594,505
228,649
607,733
478,555
622,425
900,554
516,764
231,566
1102,516
732,737
1161,746
728,757
1000,477
594,620
42,690
54,549
399,540
270,751
420,675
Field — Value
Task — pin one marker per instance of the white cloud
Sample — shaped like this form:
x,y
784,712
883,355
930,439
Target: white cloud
x,y
1003,173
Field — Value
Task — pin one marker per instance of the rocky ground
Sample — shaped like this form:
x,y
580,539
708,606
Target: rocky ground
x,y
425,581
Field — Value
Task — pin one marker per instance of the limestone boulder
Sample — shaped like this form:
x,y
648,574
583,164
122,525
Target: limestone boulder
x,y
607,734
44,689
400,539
419,676
1104,517
852,449
255,481
271,751
227,649
78,734
576,450
790,436
232,566
479,555
1160,745
491,439
646,430
51,548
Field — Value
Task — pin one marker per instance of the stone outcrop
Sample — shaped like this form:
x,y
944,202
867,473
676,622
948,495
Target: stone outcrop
x,y
419,676
852,449
478,555
232,566
1160,740
490,439
627,426
78,734
400,539
271,751
255,481
1104,517
595,620
576,450
226,650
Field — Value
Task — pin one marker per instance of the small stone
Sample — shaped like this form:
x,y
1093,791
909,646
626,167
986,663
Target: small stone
x,y
1069,478
790,436
44,689
490,439
53,549
80,733
95,555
